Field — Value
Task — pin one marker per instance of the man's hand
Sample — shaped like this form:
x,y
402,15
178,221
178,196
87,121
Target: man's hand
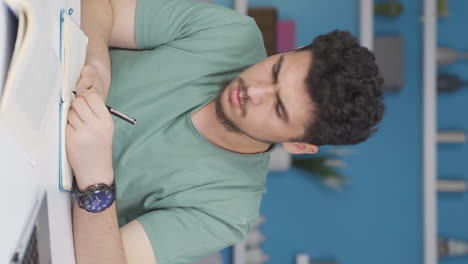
x,y
89,136
91,79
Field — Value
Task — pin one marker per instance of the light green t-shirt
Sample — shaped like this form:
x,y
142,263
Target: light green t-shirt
x,y
191,197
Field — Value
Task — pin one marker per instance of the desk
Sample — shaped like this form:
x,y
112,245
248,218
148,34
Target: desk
x,y
25,183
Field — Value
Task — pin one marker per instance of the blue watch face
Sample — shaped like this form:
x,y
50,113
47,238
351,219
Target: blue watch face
x,y
98,201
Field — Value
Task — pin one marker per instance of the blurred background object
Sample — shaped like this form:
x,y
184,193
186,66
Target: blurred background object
x,y
8,27
215,258
250,251
388,8
447,56
305,259
451,185
280,160
324,168
447,82
266,19
389,54
443,8
452,247
451,137
285,35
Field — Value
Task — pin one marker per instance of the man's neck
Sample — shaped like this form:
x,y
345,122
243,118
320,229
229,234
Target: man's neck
x,y
209,127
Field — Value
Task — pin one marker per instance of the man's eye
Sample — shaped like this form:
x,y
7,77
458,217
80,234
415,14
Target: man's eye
x,y
276,73
278,112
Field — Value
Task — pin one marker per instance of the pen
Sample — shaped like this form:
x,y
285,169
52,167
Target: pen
x,y
119,114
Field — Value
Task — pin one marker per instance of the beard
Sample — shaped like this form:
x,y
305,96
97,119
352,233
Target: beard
x,y
221,116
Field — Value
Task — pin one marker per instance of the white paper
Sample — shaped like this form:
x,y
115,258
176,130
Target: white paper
x,y
32,78
74,53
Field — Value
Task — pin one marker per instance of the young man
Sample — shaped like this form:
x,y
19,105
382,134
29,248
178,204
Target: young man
x,y
189,176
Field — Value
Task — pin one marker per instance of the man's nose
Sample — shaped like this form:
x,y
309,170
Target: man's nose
x,y
260,92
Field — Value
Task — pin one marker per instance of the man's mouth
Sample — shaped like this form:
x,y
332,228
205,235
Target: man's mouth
x,y
236,98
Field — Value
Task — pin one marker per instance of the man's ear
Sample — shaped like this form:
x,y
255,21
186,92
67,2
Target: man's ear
x,y
300,148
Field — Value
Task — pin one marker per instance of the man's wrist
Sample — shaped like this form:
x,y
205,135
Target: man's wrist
x,y
103,74
92,180
95,198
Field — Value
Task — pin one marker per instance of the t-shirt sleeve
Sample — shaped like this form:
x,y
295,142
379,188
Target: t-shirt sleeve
x,y
181,235
159,22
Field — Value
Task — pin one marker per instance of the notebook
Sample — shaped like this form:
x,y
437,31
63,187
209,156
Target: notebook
x,y
73,47
25,102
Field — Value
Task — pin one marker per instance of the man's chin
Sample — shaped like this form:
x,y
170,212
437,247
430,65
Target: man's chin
x,y
223,119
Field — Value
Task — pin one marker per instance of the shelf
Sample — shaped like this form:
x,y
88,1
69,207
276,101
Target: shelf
x,y
366,23
241,6
429,133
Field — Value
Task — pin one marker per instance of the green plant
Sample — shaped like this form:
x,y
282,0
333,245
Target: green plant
x,y
388,8
318,166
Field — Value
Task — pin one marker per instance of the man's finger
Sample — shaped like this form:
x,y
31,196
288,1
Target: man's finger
x,y
97,105
85,92
69,129
74,120
82,109
84,83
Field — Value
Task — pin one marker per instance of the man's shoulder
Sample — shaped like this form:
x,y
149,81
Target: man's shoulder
x,y
241,43
249,29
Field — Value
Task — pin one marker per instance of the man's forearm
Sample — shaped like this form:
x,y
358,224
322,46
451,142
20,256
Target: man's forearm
x,y
97,237
96,22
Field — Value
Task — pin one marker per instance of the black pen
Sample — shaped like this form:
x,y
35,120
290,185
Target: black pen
x,y
118,114
121,115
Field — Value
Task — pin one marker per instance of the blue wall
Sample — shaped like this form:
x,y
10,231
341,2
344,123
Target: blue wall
x,y
378,219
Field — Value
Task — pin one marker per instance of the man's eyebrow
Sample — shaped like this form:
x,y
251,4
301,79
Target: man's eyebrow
x,y
276,70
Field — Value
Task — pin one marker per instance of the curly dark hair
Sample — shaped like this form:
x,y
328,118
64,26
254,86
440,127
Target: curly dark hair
x,y
345,87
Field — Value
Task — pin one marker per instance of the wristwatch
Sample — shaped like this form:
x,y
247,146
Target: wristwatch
x,y
96,198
